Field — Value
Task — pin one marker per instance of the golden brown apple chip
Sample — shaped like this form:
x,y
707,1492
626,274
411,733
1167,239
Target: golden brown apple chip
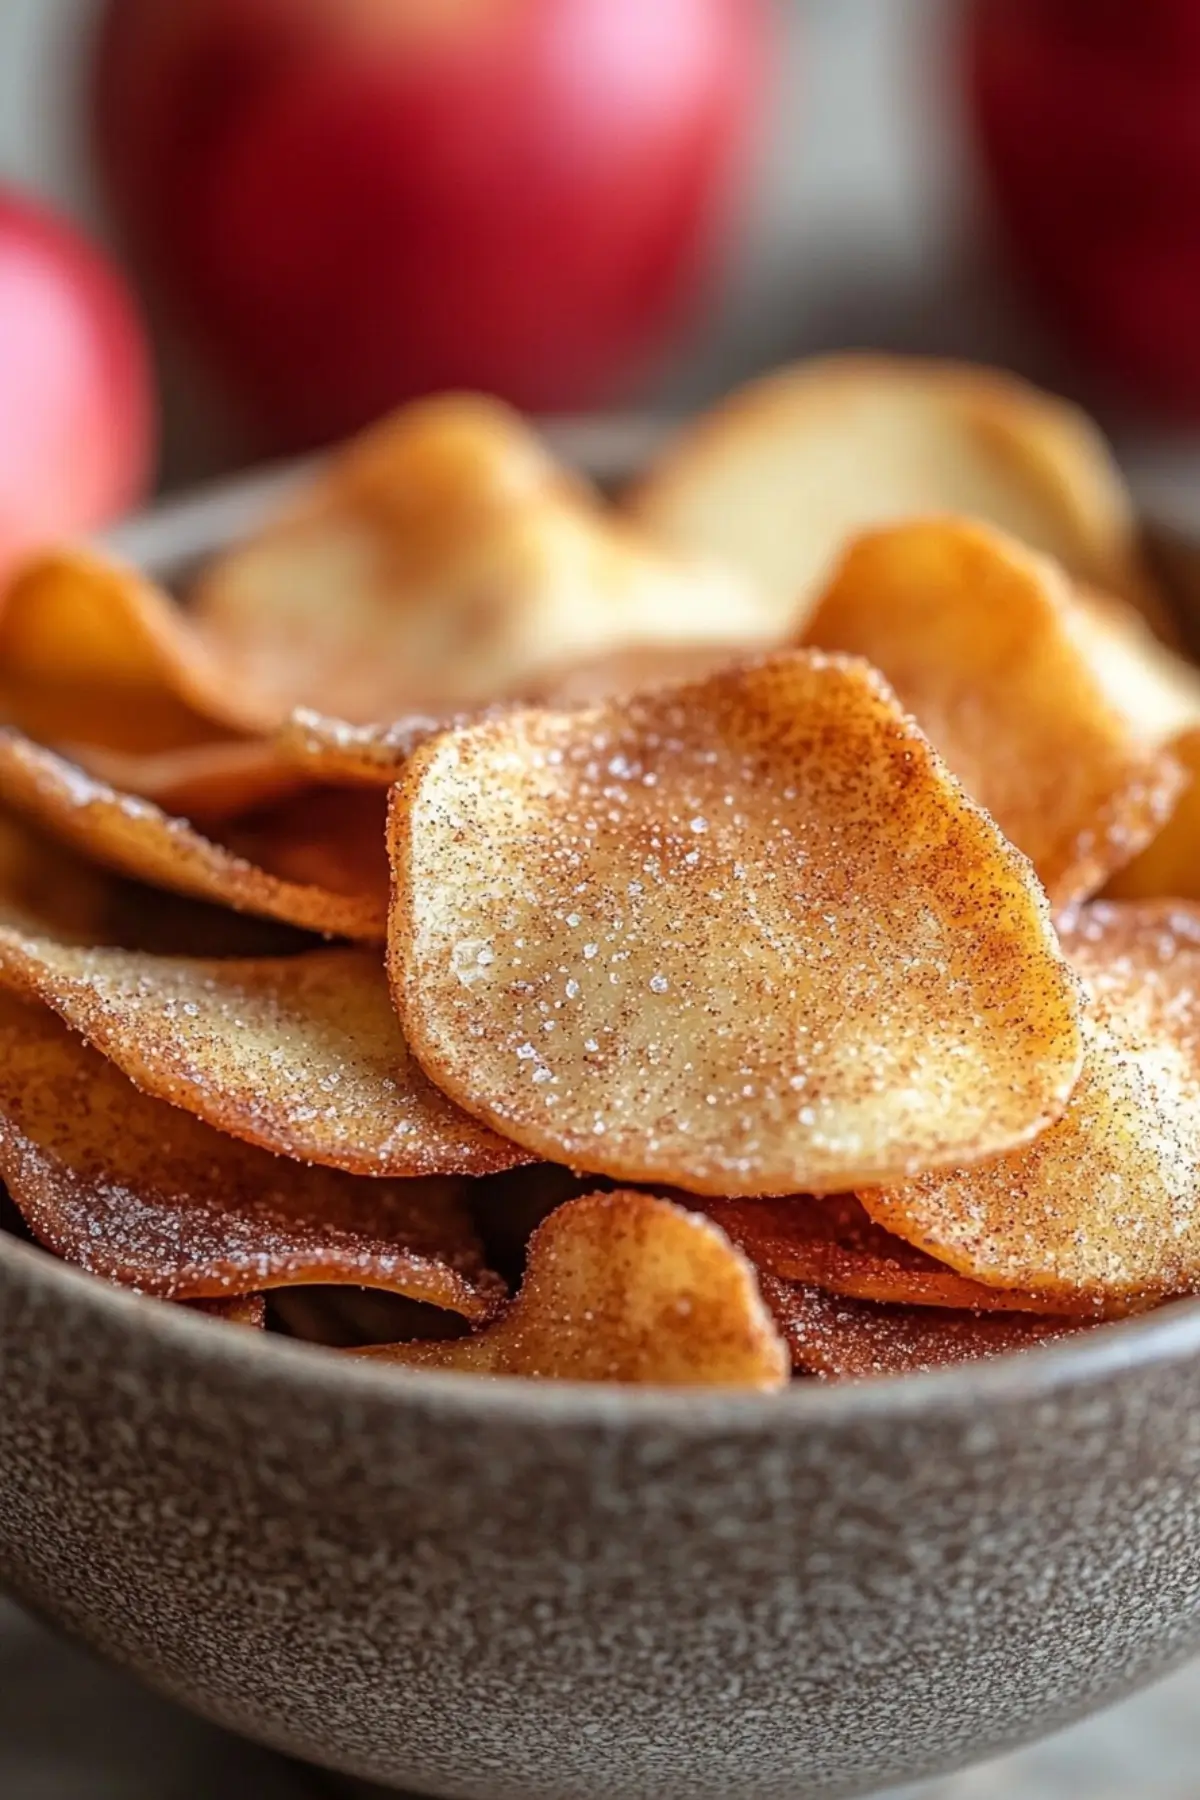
x,y
833,1243
777,477
333,750
837,1339
623,1287
442,560
978,636
91,652
746,936
1169,867
144,1195
205,783
301,1055
1105,1204
134,837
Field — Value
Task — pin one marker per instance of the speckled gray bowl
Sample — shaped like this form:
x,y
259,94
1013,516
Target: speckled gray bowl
x,y
508,1591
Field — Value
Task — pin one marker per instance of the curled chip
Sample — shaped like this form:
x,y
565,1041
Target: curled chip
x,y
1105,1205
623,1287
833,1243
332,750
301,1055
837,1339
206,783
1169,866
90,651
145,1196
134,837
442,560
1152,687
777,477
741,937
979,638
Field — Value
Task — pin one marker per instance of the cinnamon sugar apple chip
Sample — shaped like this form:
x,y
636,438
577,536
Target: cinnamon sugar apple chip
x,y
206,783
780,474
981,640
623,1287
144,1195
1169,866
1105,1204
833,1244
371,755
134,837
92,652
444,559
744,936
301,1055
837,1339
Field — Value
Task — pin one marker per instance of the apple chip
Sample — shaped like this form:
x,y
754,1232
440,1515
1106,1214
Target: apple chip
x,y
1169,867
143,1195
334,750
206,783
852,1340
1157,690
1105,1204
92,652
623,1287
777,477
978,636
444,559
134,837
833,1243
740,937
301,1055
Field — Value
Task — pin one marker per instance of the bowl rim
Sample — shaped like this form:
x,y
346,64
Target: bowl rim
x,y
172,534
1166,1334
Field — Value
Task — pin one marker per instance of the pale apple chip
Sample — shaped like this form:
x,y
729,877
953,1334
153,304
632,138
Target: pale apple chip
x,y
134,837
205,783
1104,1205
834,1244
979,638
301,1055
92,652
623,1287
1169,867
1153,687
746,936
146,1196
778,476
836,1339
443,560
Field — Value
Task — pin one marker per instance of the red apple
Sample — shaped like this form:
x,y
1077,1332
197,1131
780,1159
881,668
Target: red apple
x,y
1088,117
75,398
353,201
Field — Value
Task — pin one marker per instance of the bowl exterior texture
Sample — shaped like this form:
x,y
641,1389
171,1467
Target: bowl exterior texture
x,y
472,1591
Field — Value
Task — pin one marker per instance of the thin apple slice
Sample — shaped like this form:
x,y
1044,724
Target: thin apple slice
x,y
623,1287
744,936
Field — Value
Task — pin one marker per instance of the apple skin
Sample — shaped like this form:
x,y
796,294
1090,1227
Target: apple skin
x,y
349,205
76,404
1087,115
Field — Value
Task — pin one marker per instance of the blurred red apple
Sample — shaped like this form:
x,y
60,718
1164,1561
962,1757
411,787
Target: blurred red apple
x,y
1088,117
353,201
75,405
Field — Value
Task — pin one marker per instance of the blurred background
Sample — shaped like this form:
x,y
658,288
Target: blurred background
x,y
321,206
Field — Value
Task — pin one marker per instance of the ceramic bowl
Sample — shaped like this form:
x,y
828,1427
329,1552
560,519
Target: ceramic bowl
x,y
509,1591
